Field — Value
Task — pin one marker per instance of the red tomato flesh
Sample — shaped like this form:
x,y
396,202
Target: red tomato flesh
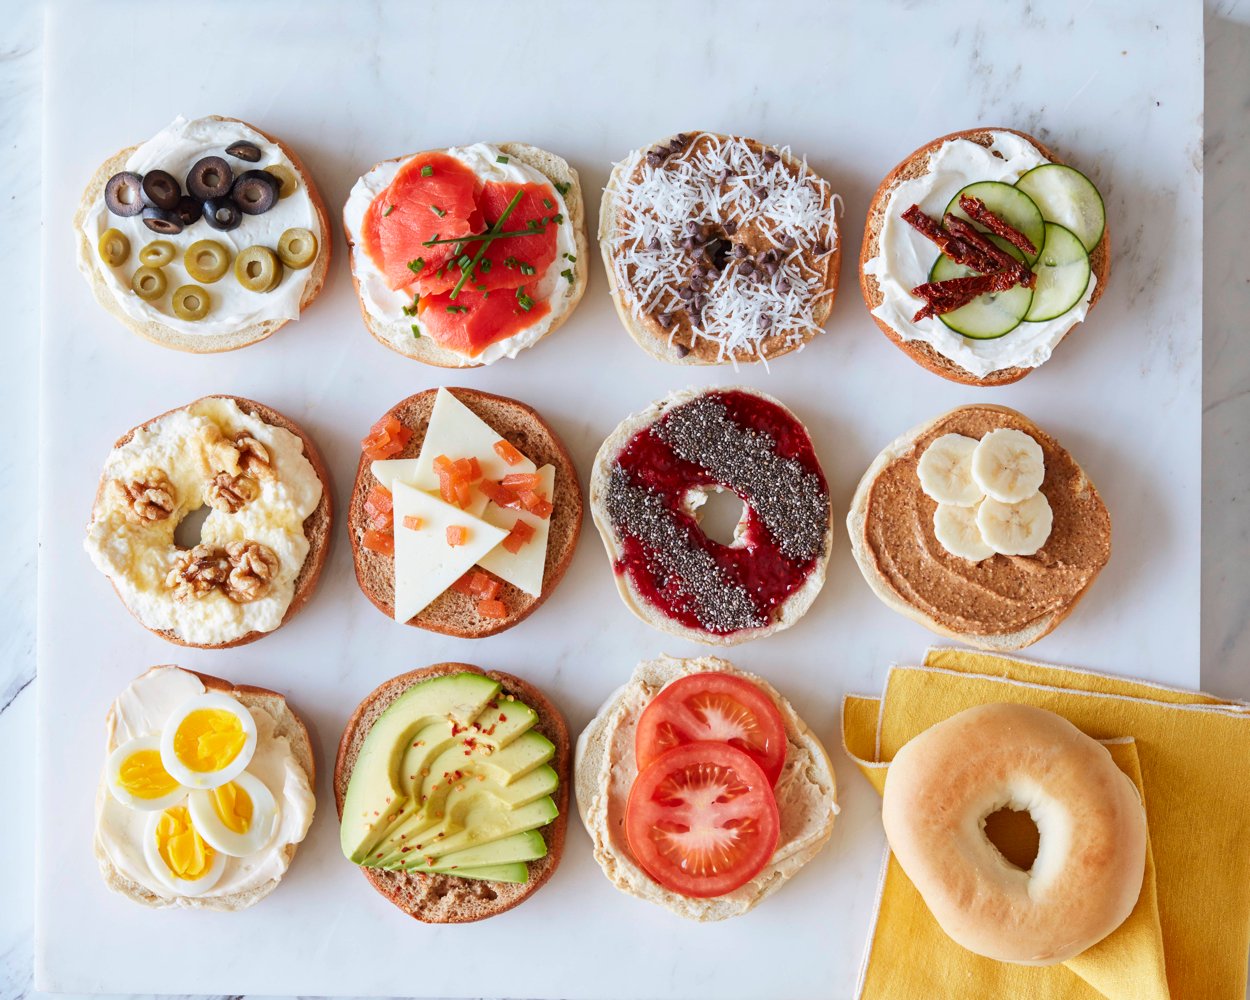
x,y
713,706
701,819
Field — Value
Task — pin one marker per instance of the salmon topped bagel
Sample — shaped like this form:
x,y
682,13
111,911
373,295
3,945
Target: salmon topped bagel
x,y
466,255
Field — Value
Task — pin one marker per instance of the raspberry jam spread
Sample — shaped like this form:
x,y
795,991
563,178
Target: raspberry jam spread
x,y
742,442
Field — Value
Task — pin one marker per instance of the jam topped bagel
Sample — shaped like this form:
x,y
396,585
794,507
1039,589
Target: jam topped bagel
x,y
650,479
719,249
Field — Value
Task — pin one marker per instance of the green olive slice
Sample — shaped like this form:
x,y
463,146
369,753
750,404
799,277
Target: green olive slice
x,y
114,247
258,269
191,302
287,181
158,253
148,283
297,248
206,260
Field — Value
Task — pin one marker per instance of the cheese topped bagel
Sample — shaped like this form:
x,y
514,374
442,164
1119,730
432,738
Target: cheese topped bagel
x,y
208,237
262,546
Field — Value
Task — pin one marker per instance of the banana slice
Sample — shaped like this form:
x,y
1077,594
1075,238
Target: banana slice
x,y
956,528
1015,529
1008,465
945,471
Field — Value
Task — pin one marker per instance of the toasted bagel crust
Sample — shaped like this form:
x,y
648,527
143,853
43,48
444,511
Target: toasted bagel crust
x,y
446,899
924,354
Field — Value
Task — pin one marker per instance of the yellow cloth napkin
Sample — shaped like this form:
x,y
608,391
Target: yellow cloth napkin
x,y
1189,755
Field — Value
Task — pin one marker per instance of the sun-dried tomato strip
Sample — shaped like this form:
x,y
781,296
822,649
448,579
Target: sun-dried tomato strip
x,y
977,211
957,249
942,297
1001,258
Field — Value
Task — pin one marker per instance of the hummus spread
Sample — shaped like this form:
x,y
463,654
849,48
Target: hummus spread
x,y
1001,594
605,770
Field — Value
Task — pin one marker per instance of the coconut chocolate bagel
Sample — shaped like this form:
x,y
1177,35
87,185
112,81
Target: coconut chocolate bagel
x,y
209,236
719,249
651,477
1091,827
260,551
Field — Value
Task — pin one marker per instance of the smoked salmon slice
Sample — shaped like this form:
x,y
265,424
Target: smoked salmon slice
x,y
477,319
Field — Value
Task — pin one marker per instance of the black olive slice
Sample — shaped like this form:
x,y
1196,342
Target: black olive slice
x,y
222,214
162,220
255,192
244,150
210,177
161,190
189,210
123,194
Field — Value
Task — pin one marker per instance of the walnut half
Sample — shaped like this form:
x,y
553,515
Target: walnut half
x,y
229,493
252,566
150,498
198,571
253,456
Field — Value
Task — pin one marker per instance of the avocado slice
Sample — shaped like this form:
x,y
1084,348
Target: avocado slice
x,y
526,846
518,872
484,821
375,799
516,760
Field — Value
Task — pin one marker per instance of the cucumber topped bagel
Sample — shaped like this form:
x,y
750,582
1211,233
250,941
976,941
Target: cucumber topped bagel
x,y
465,512
208,237
979,526
719,249
982,251
466,255
452,790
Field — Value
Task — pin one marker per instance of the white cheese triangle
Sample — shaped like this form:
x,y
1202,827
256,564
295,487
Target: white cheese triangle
x,y
425,565
524,569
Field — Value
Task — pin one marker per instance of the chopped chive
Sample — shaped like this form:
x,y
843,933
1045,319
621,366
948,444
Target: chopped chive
x,y
501,159
484,266
437,211
509,262
463,261
457,309
416,332
567,273
527,269
547,204
389,210
480,288
562,188
416,266
558,219
523,300
427,171
569,256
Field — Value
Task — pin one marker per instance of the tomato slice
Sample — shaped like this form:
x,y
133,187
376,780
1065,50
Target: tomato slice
x,y
713,706
701,819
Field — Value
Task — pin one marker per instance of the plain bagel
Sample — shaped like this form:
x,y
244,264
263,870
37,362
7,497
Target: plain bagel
x,y
1091,855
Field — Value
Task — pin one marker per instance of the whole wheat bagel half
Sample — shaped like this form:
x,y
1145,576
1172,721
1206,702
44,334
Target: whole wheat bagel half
x,y
426,349
287,725
316,526
446,899
166,336
922,353
1004,602
453,613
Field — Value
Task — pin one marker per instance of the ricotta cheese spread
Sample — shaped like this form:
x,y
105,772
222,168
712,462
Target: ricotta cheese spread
x,y
385,305
175,149
905,257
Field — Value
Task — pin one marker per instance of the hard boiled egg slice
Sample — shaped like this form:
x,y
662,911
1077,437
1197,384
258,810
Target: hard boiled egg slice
x,y
238,818
137,778
208,741
178,855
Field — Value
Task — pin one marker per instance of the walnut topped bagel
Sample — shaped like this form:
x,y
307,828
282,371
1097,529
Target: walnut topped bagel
x,y
719,249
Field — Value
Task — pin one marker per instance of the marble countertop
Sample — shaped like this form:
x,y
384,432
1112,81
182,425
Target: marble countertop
x,y
1226,423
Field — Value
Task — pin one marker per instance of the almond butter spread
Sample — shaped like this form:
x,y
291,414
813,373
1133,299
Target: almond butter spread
x,y
1000,594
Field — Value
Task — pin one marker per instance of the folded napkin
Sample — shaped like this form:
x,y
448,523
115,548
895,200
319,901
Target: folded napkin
x,y
1189,755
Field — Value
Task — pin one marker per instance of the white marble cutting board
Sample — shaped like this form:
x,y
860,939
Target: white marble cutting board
x,y
1116,88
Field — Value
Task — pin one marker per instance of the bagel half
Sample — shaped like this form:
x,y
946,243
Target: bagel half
x,y
1085,529
288,725
316,525
446,899
925,355
453,613
166,336
555,169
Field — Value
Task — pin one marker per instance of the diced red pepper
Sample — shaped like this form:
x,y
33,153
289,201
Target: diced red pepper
x,y
457,534
520,481
413,523
492,609
443,464
464,585
386,438
380,507
475,469
518,537
508,453
497,493
381,542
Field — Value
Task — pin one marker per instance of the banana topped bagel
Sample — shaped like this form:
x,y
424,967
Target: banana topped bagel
x,y
719,249
207,237
980,526
981,252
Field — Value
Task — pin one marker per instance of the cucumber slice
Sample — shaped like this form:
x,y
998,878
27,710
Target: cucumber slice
x,y
1062,270
1069,198
988,316
1010,204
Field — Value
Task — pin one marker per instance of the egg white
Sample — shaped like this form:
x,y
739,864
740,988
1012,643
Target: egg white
x,y
113,771
220,837
208,779
182,886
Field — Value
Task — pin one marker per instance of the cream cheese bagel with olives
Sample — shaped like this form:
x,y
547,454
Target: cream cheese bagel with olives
x,y
678,719
719,249
262,546
463,256
207,237
982,251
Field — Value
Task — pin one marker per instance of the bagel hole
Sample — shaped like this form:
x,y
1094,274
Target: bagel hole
x,y
1014,835
190,528
718,512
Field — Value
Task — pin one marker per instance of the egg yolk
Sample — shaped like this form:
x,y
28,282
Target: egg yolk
x,y
144,776
233,807
208,739
181,848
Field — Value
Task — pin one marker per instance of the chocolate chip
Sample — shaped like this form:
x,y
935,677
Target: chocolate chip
x,y
783,285
789,242
739,250
666,319
688,243
654,244
761,192
654,159
730,227
770,157
771,267
681,349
